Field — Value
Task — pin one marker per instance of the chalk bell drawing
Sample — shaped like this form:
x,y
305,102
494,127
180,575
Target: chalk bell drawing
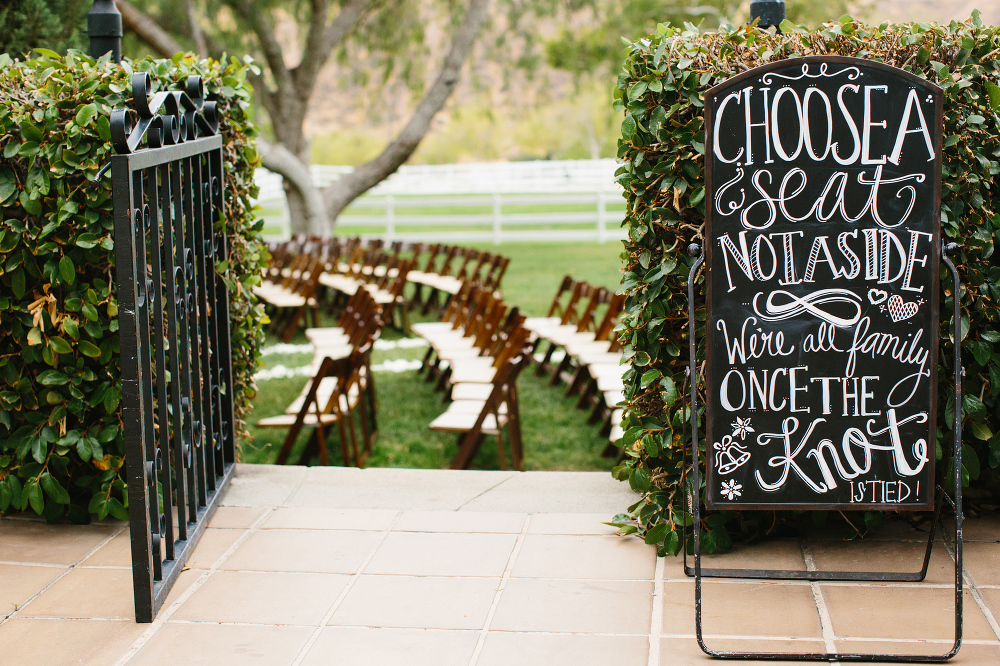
x,y
730,455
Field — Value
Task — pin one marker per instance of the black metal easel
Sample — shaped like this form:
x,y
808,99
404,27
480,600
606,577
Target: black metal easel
x,y
694,491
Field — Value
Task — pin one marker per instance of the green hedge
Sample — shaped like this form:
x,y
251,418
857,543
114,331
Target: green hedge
x,y
61,451
660,89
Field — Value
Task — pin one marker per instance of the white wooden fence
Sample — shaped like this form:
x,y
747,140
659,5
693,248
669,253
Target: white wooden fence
x,y
504,201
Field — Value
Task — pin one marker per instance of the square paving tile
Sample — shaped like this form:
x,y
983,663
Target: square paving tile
x,y
115,553
319,551
305,518
982,562
418,601
51,642
262,485
686,651
867,555
214,644
557,492
731,608
213,544
263,598
87,593
236,516
983,528
348,488
460,521
777,554
503,648
439,554
991,596
584,556
608,607
901,612
20,582
571,523
367,646
968,654
32,542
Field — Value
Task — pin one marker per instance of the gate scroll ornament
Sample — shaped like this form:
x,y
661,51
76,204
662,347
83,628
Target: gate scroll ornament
x,y
173,305
823,252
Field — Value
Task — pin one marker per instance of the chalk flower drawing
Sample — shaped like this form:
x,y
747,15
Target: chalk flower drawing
x,y
730,455
742,427
731,489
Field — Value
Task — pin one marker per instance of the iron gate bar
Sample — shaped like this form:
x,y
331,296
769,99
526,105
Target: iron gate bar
x,y
176,359
694,493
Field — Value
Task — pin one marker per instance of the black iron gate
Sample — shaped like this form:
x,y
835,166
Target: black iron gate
x,y
173,306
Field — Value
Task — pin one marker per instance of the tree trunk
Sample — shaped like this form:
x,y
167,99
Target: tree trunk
x,y
305,204
345,190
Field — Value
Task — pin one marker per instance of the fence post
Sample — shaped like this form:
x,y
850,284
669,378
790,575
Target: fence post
x,y
602,217
497,219
390,218
104,27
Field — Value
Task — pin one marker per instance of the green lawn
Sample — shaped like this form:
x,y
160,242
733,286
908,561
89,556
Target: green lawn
x,y
556,435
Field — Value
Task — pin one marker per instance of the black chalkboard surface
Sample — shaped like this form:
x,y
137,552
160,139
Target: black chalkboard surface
x,y
822,253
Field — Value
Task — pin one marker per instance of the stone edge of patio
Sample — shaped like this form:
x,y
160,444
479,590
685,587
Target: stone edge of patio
x,y
430,490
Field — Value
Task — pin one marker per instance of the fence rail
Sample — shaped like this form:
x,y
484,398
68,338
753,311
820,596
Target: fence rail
x,y
545,200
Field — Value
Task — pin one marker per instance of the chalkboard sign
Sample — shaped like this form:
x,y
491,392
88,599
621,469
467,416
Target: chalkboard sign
x,y
822,253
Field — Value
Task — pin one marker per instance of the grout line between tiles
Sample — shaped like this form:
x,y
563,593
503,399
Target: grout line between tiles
x,y
165,613
656,616
343,593
825,621
490,489
69,567
500,588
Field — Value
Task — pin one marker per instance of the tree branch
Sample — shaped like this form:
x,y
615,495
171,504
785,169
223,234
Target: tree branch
x,y
257,18
280,160
148,30
196,34
338,195
323,39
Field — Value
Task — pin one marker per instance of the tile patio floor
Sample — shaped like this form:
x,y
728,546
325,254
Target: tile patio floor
x,y
380,566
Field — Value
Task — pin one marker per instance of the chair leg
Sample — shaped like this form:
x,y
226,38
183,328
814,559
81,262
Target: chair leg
x,y
468,445
579,377
543,365
309,451
557,373
324,456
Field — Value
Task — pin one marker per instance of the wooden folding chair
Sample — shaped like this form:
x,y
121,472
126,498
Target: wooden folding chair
x,y
475,419
341,394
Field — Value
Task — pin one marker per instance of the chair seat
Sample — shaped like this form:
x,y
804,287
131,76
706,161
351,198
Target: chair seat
x,y
333,334
537,324
470,391
425,329
288,420
477,370
452,421
612,398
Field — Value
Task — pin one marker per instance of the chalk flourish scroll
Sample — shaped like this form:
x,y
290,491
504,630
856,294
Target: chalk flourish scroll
x,y
794,305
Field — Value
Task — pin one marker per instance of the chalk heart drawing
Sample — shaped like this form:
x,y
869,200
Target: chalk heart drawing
x,y
876,296
730,455
899,310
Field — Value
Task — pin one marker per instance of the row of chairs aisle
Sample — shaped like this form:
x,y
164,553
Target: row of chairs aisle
x,y
477,347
